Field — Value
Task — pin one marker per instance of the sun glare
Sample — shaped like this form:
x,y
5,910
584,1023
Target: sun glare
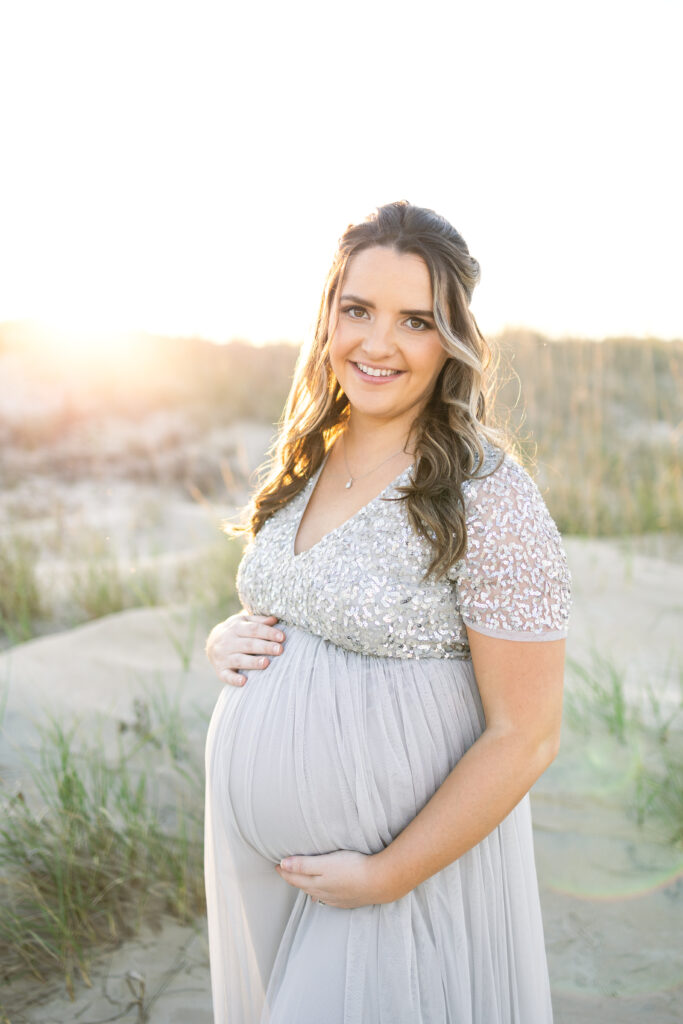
x,y
79,341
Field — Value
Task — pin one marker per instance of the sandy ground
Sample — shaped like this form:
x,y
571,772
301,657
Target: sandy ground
x,y
160,977
612,895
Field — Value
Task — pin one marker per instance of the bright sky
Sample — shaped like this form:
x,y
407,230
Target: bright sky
x,y
186,167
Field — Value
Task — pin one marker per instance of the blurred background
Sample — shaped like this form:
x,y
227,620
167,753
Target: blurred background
x,y
174,178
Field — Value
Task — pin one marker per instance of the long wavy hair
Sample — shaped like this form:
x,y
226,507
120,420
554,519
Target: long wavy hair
x,y
447,433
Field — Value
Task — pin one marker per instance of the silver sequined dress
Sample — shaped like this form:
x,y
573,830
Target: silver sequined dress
x,y
340,742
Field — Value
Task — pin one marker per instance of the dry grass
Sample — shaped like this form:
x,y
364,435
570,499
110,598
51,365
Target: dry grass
x,y
603,422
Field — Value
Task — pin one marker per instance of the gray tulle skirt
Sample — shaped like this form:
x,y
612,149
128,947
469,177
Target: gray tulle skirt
x,y
330,750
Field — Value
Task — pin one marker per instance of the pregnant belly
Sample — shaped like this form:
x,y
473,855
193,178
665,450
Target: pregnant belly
x,y
327,749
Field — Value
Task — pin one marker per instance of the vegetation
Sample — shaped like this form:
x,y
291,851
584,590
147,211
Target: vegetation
x,y
20,601
91,846
603,423
649,728
100,584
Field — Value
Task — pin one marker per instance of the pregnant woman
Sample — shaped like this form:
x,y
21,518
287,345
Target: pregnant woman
x,y
396,673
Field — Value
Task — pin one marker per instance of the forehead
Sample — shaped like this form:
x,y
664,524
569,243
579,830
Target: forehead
x,y
384,275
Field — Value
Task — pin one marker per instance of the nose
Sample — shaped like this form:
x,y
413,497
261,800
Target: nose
x,y
378,339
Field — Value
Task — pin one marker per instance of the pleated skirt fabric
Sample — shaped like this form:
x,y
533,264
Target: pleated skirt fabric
x,y
330,750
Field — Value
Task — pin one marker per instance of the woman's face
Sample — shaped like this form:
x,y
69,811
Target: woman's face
x,y
385,323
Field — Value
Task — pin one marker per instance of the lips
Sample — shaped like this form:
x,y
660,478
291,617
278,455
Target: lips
x,y
377,378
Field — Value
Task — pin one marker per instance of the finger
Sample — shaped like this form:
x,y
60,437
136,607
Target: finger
x,y
306,866
232,678
261,618
223,653
256,631
302,882
297,881
240,660
249,645
229,668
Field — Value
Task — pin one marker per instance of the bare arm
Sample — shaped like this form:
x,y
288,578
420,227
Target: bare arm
x,y
521,691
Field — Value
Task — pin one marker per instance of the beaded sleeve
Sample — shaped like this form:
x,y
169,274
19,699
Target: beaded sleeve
x,y
514,581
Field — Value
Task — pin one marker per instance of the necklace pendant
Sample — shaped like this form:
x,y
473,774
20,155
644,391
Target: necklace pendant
x,y
348,482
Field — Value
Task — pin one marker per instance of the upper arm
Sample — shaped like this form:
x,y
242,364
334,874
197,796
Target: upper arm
x,y
520,685
513,589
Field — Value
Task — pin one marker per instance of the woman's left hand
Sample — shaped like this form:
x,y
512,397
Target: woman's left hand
x,y
344,879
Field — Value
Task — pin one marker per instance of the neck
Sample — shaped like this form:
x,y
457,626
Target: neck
x,y
375,438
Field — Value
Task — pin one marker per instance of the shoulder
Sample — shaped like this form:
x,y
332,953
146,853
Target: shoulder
x,y
514,575
506,516
502,488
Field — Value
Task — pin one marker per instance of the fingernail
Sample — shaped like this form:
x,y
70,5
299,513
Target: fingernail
x,y
280,636
286,864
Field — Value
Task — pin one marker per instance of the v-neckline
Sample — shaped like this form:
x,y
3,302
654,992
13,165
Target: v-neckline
x,y
310,487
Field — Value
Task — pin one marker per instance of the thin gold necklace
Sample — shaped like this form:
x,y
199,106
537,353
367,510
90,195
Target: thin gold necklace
x,y
352,478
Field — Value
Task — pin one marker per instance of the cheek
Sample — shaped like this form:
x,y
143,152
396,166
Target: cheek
x,y
336,355
436,359
429,363
341,343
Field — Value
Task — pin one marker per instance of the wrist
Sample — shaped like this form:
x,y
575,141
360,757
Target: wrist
x,y
385,885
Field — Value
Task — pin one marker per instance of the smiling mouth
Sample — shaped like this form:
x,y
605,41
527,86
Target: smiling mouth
x,y
372,371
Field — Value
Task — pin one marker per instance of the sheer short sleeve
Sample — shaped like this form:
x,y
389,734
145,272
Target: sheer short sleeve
x,y
514,581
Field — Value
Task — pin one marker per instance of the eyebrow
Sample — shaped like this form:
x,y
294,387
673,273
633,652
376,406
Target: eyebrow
x,y
371,305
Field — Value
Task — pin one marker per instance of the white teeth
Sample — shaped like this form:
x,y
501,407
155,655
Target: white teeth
x,y
376,373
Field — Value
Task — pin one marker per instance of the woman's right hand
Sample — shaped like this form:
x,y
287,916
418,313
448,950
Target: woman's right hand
x,y
240,643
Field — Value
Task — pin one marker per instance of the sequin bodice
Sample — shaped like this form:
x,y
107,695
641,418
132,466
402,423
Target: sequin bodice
x,y
361,586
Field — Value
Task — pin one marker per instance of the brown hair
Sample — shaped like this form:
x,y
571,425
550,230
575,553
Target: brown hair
x,y
448,431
